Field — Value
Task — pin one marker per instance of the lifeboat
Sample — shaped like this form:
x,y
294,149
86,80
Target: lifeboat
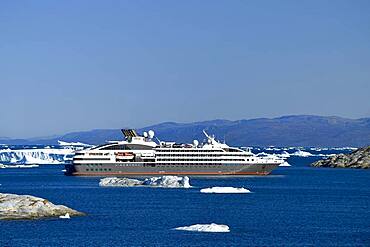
x,y
124,156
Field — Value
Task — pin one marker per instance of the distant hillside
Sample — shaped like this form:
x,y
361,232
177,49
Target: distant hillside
x,y
300,130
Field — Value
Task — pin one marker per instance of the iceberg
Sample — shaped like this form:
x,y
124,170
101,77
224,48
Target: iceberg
x,y
164,182
35,156
301,153
225,190
285,164
66,216
168,182
205,228
284,154
119,182
63,143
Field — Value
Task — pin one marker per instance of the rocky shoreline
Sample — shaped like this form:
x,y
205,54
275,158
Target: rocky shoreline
x,y
358,159
25,207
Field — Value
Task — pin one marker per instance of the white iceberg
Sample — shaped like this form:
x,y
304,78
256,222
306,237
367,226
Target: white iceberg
x,y
168,182
35,156
66,216
119,182
205,228
284,154
301,153
266,155
285,164
164,181
225,190
274,156
63,143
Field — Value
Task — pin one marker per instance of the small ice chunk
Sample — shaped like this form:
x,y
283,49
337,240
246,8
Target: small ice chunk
x,y
285,164
66,216
225,190
205,228
301,153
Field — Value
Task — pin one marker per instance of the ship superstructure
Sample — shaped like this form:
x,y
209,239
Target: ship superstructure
x,y
146,155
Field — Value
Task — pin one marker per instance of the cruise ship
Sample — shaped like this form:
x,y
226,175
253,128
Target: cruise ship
x,y
146,155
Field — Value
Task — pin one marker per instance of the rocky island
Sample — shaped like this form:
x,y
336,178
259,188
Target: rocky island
x,y
357,159
20,207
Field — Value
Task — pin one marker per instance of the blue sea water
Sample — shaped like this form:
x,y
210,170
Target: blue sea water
x,y
294,206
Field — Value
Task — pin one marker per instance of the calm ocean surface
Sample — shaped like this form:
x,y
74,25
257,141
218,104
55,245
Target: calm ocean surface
x,y
295,206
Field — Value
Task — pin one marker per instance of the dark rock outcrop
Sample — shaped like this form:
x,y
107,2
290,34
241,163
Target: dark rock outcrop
x,y
357,159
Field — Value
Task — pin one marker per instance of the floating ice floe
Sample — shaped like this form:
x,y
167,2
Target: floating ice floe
x,y
164,182
66,216
301,153
225,190
283,155
344,148
205,228
285,164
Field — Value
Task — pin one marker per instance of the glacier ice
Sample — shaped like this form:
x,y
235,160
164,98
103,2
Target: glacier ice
x,y
63,143
164,181
225,190
35,156
205,228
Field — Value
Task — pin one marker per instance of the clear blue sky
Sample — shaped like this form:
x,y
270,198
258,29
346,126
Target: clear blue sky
x,y
80,65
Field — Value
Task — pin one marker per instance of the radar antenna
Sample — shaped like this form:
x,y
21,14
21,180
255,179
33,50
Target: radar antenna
x,y
205,133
